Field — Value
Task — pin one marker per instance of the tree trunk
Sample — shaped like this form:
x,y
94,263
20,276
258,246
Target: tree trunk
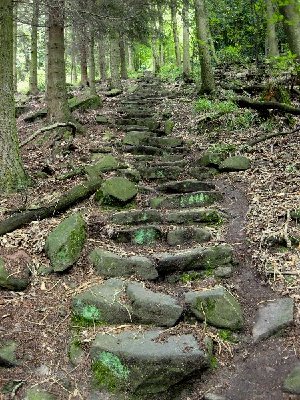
x,y
92,64
131,65
291,16
74,76
102,59
83,63
58,109
33,81
175,33
115,63
207,76
160,34
15,46
271,37
12,176
124,73
186,41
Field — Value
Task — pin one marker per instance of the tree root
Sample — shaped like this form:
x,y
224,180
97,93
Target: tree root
x,y
49,128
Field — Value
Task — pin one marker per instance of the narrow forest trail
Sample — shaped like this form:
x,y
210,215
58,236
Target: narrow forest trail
x,y
164,298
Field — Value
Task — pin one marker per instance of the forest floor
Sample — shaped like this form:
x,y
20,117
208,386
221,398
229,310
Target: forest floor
x,y
257,201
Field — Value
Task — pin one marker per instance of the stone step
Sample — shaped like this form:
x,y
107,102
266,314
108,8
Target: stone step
x,y
163,159
164,142
143,364
199,215
191,200
117,301
200,258
163,173
129,128
112,265
148,235
151,150
186,186
135,113
150,123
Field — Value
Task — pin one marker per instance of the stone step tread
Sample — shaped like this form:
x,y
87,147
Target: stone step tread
x,y
142,216
186,200
185,186
148,235
152,150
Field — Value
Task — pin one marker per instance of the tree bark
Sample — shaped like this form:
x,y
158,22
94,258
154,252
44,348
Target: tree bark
x,y
175,33
92,64
124,73
186,40
15,48
83,64
74,77
33,80
271,37
291,21
160,34
57,104
12,176
207,76
115,63
102,59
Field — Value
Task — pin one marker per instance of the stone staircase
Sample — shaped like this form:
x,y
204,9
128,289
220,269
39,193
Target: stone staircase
x,y
173,235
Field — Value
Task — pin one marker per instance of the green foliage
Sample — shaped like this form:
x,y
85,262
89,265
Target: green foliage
x,y
284,63
214,363
226,335
170,72
204,104
231,55
222,148
190,277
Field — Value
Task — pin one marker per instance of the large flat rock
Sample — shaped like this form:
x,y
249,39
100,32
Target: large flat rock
x,y
190,200
141,363
272,317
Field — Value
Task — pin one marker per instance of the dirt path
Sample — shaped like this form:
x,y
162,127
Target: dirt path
x,y
41,319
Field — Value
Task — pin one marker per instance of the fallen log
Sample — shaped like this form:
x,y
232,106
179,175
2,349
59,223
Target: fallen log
x,y
49,128
272,135
67,200
267,105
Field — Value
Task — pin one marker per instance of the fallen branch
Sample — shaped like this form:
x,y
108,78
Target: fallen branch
x,y
271,135
267,105
49,128
67,200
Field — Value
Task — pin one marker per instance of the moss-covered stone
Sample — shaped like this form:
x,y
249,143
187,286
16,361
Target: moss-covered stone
x,y
199,215
216,307
141,365
85,102
114,93
103,304
235,163
65,243
186,186
292,382
187,235
191,200
110,264
211,159
160,173
39,114
143,236
76,353
136,217
118,190
136,138
102,120
105,164
166,142
8,354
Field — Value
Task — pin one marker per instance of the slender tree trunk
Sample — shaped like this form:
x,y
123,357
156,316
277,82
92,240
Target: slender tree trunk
x,y
291,15
175,33
15,39
115,63
124,73
131,65
33,80
92,64
58,109
155,57
74,76
83,64
102,48
12,176
207,76
186,40
271,37
160,34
